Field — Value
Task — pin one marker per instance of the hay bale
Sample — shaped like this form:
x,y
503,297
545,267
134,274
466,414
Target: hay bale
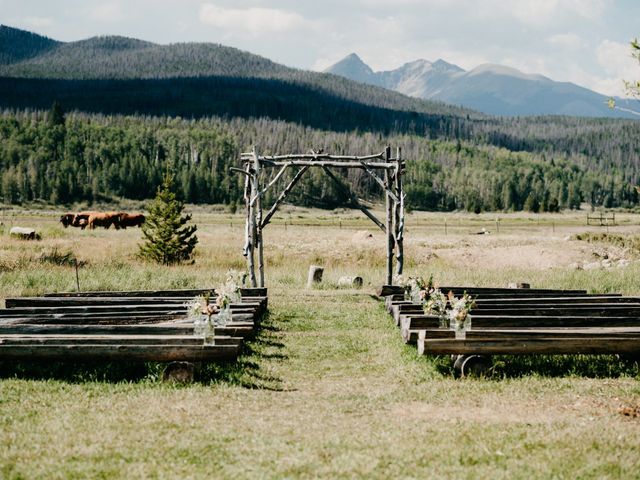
x,y
24,233
362,236
350,282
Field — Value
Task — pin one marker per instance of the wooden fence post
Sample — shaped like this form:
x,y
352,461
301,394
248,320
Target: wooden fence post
x,y
389,225
399,213
258,221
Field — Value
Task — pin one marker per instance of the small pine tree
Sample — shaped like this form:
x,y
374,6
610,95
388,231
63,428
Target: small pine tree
x,y
168,240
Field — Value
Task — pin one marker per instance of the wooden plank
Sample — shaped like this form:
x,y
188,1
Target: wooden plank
x,y
106,316
19,302
546,346
597,310
187,292
512,291
109,320
147,353
129,304
412,335
556,303
397,311
113,340
96,309
521,294
413,322
122,309
254,292
387,290
606,299
239,329
390,300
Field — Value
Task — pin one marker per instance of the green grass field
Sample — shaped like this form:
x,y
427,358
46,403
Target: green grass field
x,y
327,389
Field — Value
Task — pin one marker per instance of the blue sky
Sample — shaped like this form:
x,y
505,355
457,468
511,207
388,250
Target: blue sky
x,y
582,41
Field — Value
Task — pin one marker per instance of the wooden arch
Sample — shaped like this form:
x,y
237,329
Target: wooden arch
x,y
253,166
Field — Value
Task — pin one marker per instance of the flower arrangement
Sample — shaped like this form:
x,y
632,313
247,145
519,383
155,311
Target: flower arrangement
x,y
200,311
436,304
459,318
414,286
229,293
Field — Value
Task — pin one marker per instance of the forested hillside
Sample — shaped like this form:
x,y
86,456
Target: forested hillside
x,y
96,157
180,66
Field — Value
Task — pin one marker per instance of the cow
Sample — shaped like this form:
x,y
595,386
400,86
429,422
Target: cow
x,y
103,220
82,219
67,219
115,219
131,220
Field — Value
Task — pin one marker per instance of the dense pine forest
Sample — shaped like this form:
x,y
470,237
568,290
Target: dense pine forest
x,y
62,158
127,110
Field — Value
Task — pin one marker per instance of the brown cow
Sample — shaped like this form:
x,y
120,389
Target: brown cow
x,y
131,220
67,219
103,220
81,219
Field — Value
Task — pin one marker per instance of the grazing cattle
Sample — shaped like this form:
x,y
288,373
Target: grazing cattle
x,y
82,219
103,220
67,219
115,219
131,220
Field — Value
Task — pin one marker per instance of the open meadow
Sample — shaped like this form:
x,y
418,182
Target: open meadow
x,y
327,388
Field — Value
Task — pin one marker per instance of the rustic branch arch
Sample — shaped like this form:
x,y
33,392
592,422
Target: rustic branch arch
x,y
253,166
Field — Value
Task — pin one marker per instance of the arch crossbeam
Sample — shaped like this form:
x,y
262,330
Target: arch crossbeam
x,y
253,166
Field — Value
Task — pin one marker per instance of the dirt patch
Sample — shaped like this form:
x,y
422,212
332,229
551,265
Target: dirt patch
x,y
630,411
539,254
534,412
362,237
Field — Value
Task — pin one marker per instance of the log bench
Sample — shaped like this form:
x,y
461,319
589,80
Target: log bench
x,y
125,325
522,322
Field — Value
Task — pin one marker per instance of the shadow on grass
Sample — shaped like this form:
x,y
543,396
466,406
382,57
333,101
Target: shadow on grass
x,y
553,366
550,366
250,370
81,371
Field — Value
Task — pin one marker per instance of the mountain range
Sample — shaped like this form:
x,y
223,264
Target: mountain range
x,y
491,89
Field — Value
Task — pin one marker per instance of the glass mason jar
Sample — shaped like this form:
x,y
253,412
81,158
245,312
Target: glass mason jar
x,y
235,297
199,325
224,316
415,296
461,327
209,332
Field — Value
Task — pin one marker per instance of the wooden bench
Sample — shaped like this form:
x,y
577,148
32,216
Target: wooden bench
x,y
136,325
527,321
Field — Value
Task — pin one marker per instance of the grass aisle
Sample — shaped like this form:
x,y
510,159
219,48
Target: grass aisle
x,y
328,390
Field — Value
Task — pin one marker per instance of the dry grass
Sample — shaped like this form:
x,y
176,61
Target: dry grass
x,y
327,389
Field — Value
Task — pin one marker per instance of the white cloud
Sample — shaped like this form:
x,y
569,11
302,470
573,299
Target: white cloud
x,y
106,12
254,20
542,13
38,22
616,60
570,41
615,57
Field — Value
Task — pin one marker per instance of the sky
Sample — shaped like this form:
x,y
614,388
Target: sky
x,y
581,41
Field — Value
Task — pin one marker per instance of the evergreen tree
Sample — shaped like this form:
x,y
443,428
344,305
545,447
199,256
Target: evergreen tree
x,y
168,239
